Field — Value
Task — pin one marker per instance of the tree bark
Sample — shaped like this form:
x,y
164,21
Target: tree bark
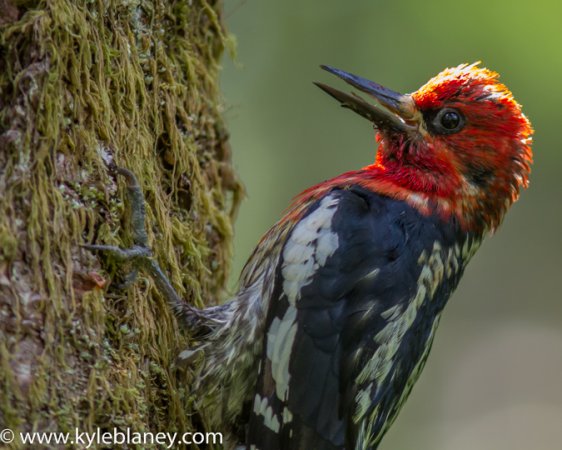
x,y
84,84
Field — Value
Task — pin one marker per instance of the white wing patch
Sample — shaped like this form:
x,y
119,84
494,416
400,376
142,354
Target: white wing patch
x,y
262,408
280,338
311,243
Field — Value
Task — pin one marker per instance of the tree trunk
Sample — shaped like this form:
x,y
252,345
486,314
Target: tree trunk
x,y
84,84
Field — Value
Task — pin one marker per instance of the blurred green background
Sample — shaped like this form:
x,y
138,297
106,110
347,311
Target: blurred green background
x,y
494,378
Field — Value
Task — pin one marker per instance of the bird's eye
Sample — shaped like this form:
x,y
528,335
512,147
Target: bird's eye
x,y
448,121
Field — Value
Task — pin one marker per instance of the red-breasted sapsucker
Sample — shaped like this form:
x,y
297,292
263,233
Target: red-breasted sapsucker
x,y
338,305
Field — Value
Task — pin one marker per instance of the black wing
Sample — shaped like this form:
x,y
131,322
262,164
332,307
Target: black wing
x,y
348,268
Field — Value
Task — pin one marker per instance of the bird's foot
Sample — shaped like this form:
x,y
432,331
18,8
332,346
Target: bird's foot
x,y
140,256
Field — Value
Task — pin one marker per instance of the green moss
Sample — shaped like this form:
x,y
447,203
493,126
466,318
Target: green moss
x,y
8,243
84,83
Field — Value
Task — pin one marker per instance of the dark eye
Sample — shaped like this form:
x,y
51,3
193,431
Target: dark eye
x,y
448,121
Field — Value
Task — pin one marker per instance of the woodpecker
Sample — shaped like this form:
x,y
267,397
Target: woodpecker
x,y
338,305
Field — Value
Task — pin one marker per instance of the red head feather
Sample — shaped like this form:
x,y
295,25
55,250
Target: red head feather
x,y
477,172
474,171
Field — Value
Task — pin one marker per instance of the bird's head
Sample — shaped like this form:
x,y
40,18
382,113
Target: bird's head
x,y
460,143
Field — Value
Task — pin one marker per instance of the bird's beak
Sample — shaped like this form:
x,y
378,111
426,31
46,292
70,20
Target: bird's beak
x,y
397,114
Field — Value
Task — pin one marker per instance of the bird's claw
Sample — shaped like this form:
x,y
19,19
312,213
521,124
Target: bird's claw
x,y
140,254
135,253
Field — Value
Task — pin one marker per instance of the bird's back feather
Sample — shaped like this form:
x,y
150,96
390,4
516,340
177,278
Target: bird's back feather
x,y
361,282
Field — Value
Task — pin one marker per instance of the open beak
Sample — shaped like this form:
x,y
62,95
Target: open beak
x,y
396,114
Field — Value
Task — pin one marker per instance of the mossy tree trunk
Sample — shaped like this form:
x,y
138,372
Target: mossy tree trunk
x,y
83,84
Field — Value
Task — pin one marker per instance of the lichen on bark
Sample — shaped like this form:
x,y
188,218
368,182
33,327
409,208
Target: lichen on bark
x,y
83,84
